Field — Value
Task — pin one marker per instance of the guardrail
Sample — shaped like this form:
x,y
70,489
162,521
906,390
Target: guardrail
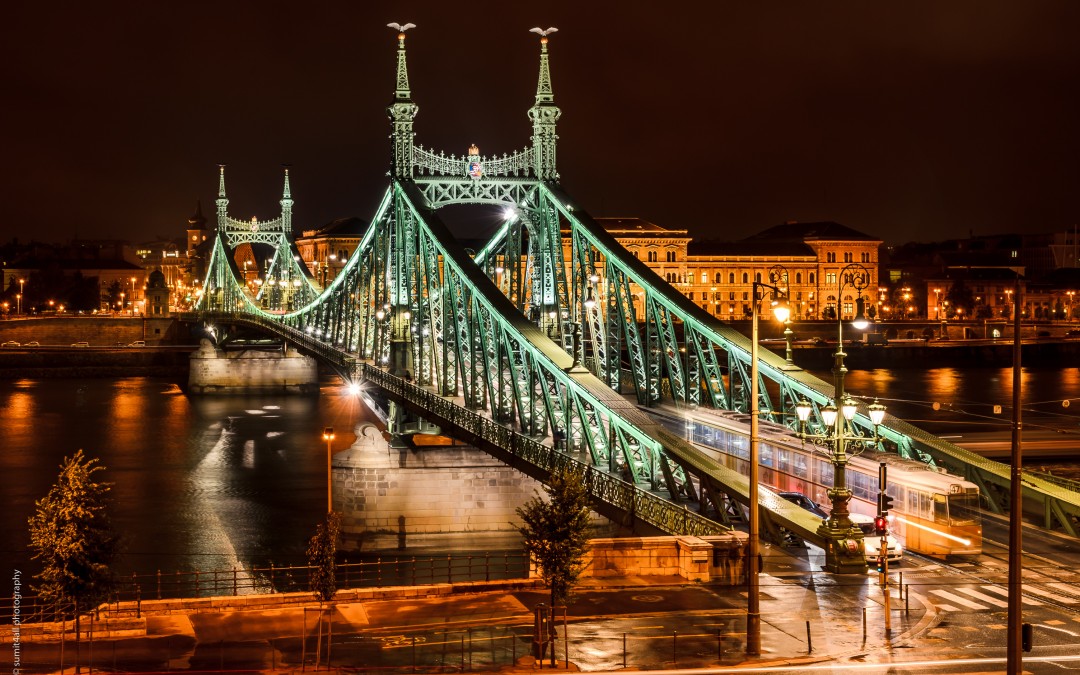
x,y
398,571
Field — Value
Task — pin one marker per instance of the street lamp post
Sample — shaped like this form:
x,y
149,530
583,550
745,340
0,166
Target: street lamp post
x,y
753,602
132,296
844,553
19,296
328,436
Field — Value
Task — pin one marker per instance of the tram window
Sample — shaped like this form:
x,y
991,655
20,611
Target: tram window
x,y
767,456
800,466
782,461
859,484
825,470
963,508
941,509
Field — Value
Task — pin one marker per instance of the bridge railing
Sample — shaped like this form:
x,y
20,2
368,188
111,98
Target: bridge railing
x,y
603,487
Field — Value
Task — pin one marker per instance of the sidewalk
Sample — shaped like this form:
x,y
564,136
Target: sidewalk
x,y
646,622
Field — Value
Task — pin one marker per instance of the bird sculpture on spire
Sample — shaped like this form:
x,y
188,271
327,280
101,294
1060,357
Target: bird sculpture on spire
x,y
401,28
543,33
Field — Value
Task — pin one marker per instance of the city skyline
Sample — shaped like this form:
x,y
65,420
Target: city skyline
x,y
912,123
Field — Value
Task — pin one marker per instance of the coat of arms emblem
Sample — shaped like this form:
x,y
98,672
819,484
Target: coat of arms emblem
x,y
473,167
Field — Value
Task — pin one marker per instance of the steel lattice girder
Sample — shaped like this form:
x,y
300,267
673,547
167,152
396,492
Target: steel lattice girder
x,y
703,339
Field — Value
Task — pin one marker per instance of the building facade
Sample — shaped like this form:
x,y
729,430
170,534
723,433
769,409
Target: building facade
x,y
719,276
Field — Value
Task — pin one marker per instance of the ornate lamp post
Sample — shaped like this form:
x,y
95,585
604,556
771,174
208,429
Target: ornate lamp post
x,y
328,436
781,311
844,553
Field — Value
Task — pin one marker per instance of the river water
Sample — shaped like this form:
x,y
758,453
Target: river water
x,y
223,482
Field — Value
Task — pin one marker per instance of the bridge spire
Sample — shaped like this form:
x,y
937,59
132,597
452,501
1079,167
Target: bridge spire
x,y
222,200
286,204
402,110
544,114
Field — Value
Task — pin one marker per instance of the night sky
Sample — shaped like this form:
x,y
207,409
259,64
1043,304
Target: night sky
x,y
910,121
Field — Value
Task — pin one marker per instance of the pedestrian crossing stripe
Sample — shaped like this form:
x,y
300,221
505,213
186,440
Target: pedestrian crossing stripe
x,y
983,596
1049,596
965,603
1002,591
952,597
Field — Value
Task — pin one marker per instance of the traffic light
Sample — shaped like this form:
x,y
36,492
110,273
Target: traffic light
x,y
881,525
881,564
884,503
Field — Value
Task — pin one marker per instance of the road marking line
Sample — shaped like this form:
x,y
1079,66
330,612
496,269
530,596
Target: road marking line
x,y
1068,588
1048,595
957,599
948,608
983,596
1002,591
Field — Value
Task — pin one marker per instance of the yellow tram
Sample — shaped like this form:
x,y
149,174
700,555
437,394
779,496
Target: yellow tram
x,y
934,513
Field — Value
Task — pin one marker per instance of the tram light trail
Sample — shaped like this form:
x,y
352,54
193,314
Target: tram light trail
x,y
953,537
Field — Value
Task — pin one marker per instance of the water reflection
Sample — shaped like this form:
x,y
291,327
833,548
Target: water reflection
x,y
199,483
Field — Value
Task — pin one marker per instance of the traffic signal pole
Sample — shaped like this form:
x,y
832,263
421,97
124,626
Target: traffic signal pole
x,y
883,550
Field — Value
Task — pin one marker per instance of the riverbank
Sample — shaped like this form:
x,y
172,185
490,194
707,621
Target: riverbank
x,y
54,361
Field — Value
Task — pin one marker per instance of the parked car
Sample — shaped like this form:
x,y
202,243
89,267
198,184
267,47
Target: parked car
x,y
80,344
10,343
138,343
1075,332
805,502
872,540
32,343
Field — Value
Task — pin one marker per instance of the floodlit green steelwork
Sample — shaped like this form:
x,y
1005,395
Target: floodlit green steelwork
x,y
552,330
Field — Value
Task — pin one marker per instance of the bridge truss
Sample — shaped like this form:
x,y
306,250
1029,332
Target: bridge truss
x,y
552,332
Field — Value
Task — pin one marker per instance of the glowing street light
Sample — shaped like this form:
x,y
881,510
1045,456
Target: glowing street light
x,y
328,436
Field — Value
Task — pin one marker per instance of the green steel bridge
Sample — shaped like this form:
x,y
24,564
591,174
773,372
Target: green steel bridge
x,y
543,354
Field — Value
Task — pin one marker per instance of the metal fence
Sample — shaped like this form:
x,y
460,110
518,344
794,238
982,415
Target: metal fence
x,y
391,571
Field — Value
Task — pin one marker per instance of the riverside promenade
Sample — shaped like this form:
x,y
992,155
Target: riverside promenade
x,y
638,623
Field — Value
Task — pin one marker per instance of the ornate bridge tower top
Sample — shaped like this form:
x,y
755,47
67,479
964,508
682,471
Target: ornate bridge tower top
x,y
402,110
482,172
544,114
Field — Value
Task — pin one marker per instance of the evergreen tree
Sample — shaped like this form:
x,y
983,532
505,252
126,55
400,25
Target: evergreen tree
x,y
556,531
72,537
321,552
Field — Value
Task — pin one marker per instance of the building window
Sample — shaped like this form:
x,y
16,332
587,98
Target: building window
x,y
731,295
690,295
671,256
830,256
830,278
652,256
717,278
798,277
745,295
848,257
704,277
745,277
731,278
810,278
866,257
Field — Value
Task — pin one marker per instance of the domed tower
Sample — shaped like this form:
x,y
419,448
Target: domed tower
x,y
157,295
